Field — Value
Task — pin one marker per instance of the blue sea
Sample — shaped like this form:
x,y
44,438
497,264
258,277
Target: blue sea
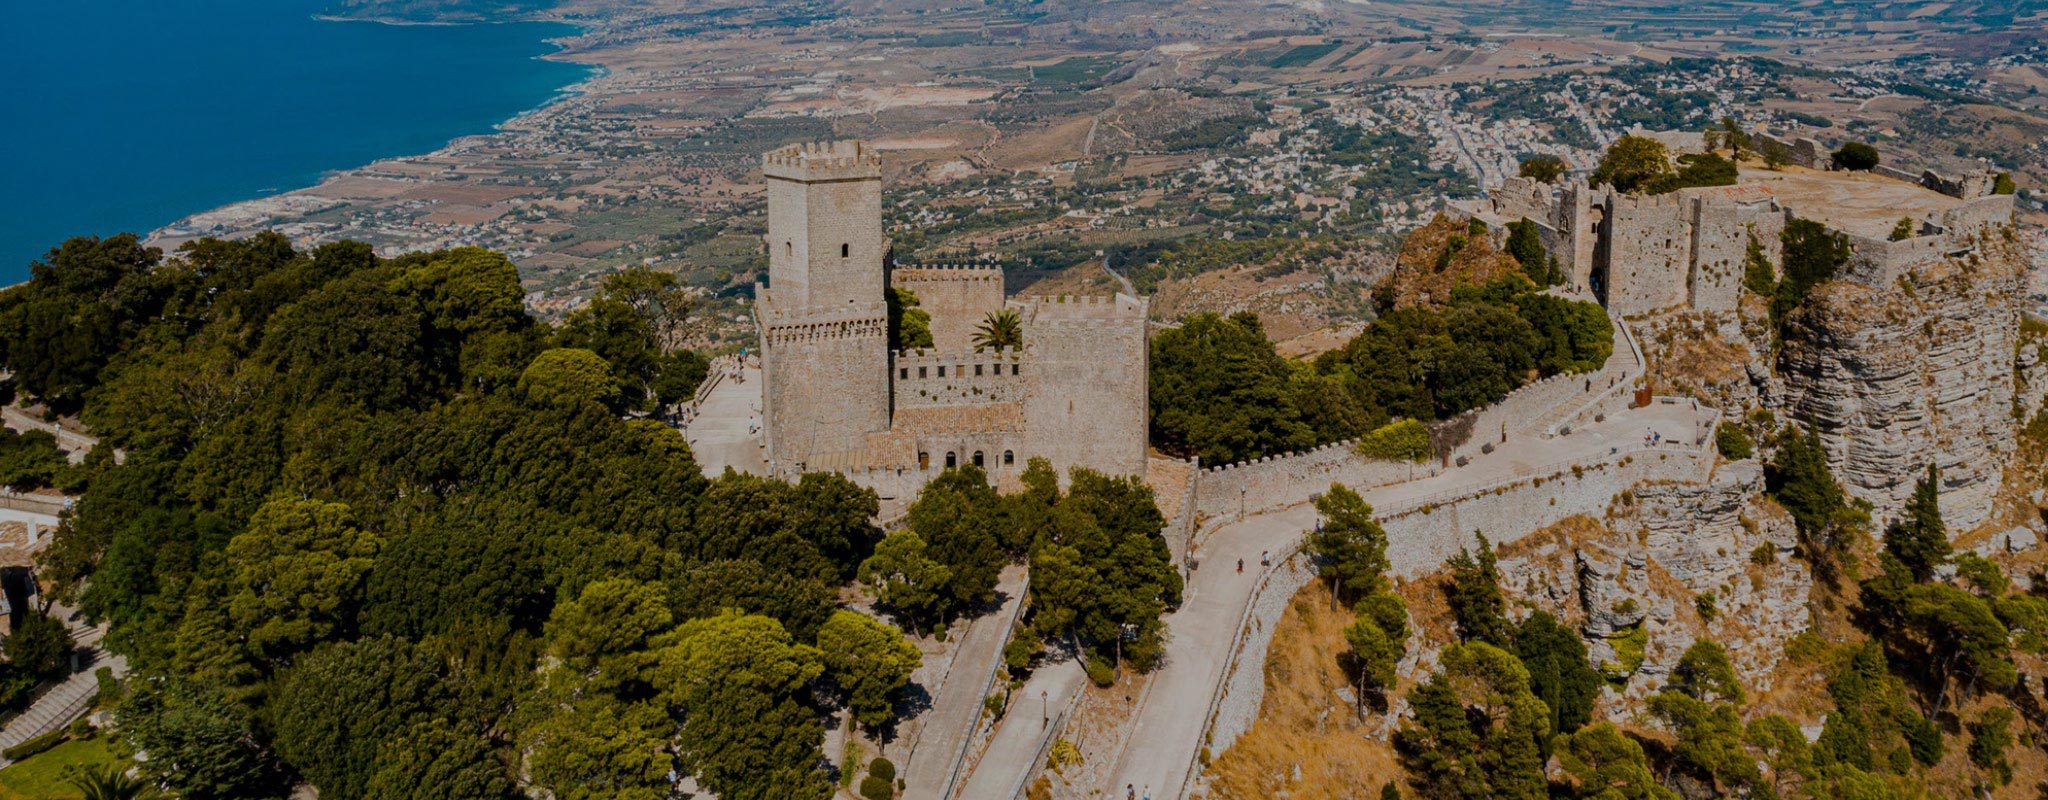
x,y
127,115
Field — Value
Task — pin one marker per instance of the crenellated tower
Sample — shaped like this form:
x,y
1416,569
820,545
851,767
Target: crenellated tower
x,y
822,319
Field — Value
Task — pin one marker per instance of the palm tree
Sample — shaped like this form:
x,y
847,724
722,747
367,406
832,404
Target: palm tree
x,y
109,783
1001,329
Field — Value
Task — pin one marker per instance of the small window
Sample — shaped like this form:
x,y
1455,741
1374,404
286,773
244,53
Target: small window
x,y
1009,457
1013,369
977,458
903,374
924,460
942,372
977,370
845,250
951,461
920,372
789,248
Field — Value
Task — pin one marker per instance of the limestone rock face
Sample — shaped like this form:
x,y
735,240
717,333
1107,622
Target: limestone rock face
x,y
1896,377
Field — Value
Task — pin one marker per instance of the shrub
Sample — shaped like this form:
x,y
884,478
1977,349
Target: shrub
x,y
17,687
2003,184
34,746
1903,230
1733,442
1545,168
884,768
874,788
1407,440
1707,605
1856,156
1100,673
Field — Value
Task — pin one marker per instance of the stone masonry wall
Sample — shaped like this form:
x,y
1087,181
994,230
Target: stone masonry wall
x,y
959,298
927,379
1087,402
1649,253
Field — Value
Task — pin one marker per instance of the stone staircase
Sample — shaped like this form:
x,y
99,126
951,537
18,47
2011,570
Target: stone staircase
x,y
68,700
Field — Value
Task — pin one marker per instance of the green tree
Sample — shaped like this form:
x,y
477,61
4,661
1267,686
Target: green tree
x,y
907,580
604,633
1631,163
662,302
1797,476
437,761
1219,391
1758,274
1600,763
1475,597
297,575
617,333
1710,740
1733,442
1525,243
1478,731
1918,539
870,661
999,330
1406,440
1990,736
41,646
1705,673
1559,673
336,707
910,327
1856,156
1544,168
201,744
1378,638
2003,184
738,683
600,748
567,375
956,517
1349,545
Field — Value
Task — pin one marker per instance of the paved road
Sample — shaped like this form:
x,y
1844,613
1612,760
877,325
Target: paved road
x,y
1168,728
1012,756
719,436
956,704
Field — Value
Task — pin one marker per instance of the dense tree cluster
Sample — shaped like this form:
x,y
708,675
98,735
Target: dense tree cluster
x,y
1639,164
1221,392
362,500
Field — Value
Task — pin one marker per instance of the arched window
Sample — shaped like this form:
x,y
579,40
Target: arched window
x,y
845,250
951,461
924,460
1009,457
789,248
977,458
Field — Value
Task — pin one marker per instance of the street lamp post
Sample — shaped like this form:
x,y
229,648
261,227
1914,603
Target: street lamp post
x,y
1044,710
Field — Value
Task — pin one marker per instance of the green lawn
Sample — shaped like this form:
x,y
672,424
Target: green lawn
x,y
42,776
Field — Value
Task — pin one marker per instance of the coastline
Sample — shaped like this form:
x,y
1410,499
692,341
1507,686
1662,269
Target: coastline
x,y
180,230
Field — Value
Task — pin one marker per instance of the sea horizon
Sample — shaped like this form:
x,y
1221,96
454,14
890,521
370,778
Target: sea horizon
x,y
156,116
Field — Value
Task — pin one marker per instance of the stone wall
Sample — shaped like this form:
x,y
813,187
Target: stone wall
x,y
1649,252
1087,401
1278,482
925,379
1722,232
823,390
824,226
959,298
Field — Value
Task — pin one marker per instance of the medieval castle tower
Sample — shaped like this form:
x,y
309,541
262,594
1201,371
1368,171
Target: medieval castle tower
x,y
837,397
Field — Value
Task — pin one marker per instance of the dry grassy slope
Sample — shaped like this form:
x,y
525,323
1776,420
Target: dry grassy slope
x,y
1309,743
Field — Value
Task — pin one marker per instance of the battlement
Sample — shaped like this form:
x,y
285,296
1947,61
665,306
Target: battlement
x,y
823,161
934,273
798,333
922,357
1085,307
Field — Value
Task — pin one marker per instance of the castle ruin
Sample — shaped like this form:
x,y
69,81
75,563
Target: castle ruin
x,y
837,397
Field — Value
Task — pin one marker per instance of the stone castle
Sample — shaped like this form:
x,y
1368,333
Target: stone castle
x,y
1686,250
837,397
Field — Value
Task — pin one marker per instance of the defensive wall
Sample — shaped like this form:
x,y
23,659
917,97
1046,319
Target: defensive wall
x,y
958,296
1421,535
926,378
1087,398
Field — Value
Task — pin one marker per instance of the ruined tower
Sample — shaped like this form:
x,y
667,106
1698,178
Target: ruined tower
x,y
823,322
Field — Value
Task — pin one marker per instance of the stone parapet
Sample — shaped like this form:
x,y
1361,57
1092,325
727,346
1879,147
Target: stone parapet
x,y
823,161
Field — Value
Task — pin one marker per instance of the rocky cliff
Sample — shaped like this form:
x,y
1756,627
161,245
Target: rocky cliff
x,y
1896,377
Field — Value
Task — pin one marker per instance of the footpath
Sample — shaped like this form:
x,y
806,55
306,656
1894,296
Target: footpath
x,y
933,768
70,699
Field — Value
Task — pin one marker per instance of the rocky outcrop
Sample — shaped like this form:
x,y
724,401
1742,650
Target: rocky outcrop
x,y
1671,563
1899,376
1442,256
